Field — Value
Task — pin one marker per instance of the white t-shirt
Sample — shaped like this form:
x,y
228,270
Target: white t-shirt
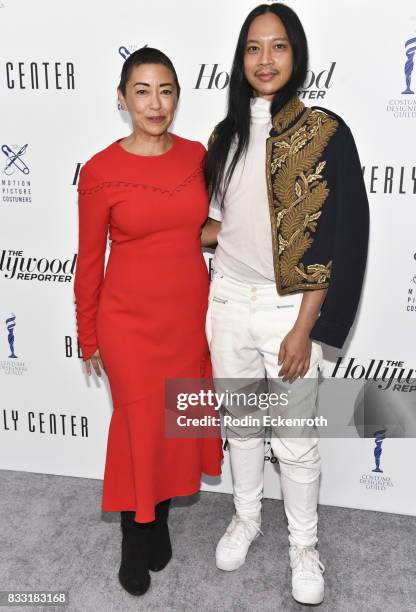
x,y
244,250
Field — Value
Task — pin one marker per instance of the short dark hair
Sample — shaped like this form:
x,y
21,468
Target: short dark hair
x,y
146,55
237,121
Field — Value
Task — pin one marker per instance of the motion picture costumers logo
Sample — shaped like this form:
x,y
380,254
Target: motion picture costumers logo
x,y
15,188
11,365
411,291
405,108
15,266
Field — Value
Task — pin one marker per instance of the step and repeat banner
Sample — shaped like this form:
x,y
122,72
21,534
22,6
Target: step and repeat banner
x,y
60,64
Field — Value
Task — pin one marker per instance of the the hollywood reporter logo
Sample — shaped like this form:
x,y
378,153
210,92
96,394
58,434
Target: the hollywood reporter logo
x,y
388,374
14,265
212,76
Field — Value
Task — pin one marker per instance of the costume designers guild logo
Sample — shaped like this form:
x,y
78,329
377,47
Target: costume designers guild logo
x,y
11,324
11,365
405,108
376,479
15,188
378,439
410,47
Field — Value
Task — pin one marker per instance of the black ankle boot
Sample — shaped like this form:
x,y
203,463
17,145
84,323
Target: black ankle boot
x,y
160,546
134,569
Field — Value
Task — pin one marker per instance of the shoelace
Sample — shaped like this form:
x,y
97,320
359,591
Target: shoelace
x,y
241,530
307,560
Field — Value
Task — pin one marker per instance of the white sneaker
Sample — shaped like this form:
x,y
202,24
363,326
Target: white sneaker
x,y
307,579
233,547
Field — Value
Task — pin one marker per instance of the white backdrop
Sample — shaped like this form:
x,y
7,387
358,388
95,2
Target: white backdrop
x,y
59,68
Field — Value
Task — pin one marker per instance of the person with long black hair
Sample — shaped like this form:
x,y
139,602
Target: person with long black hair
x,y
290,214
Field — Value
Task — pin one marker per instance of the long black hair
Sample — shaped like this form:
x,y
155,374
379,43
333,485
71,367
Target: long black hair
x,y
146,55
237,122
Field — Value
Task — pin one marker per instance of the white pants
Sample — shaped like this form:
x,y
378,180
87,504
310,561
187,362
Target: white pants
x,y
245,326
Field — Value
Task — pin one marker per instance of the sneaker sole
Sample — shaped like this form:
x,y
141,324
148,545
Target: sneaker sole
x,y
229,567
308,598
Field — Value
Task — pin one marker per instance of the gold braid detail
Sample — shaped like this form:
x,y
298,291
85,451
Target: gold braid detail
x,y
297,193
288,114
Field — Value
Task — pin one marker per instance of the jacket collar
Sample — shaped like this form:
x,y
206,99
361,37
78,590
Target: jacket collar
x,y
287,115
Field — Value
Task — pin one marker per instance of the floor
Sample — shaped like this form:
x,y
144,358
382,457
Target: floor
x,y
54,536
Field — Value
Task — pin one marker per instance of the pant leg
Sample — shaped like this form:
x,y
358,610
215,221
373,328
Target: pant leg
x,y
238,367
295,448
236,362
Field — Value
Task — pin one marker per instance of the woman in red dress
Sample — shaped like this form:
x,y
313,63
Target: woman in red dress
x,y
143,320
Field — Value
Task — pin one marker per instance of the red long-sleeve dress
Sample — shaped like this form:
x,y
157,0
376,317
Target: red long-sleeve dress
x,y
146,314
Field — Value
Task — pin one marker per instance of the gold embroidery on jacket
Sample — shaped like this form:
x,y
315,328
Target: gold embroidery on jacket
x,y
297,192
288,114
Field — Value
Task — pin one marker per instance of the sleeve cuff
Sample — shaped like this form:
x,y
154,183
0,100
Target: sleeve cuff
x,y
215,213
87,350
330,333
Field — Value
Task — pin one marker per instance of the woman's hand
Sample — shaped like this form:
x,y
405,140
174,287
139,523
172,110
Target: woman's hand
x,y
96,361
209,233
294,354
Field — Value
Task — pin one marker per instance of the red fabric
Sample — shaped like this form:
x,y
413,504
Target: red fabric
x,y
146,315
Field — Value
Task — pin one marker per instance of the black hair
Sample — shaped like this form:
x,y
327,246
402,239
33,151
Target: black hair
x,y
237,121
146,55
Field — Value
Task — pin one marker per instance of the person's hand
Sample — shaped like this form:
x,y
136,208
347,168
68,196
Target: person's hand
x,y
209,233
96,361
294,354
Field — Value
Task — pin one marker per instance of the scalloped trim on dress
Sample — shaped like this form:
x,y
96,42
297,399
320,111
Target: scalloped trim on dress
x,y
170,192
